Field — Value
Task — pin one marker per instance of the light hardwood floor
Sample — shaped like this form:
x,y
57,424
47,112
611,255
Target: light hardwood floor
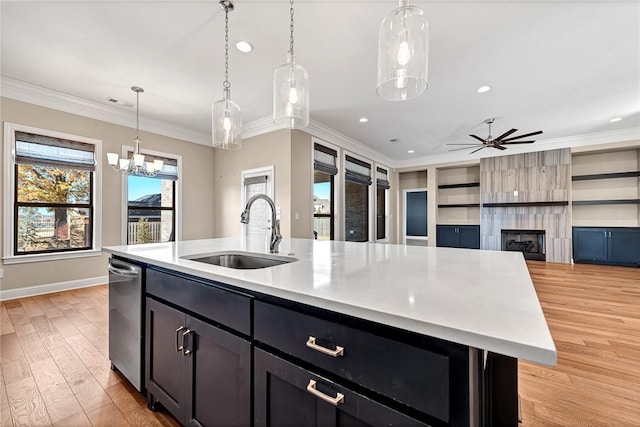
x,y
55,367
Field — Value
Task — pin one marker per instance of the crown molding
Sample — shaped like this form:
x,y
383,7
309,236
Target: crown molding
x,y
259,127
332,136
37,95
631,135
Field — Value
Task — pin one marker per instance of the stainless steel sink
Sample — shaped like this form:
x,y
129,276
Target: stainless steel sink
x,y
241,260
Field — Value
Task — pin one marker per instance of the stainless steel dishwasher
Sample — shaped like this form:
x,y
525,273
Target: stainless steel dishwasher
x,y
126,311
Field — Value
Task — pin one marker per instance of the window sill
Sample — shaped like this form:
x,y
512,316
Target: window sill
x,y
20,259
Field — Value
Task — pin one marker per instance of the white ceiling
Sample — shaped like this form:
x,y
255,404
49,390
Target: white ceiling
x,y
563,67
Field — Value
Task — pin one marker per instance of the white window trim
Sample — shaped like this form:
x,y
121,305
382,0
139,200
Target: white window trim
x,y
177,209
8,255
404,215
269,172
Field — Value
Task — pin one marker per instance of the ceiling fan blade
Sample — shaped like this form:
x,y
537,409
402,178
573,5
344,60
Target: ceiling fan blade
x,y
523,136
504,135
463,144
518,142
498,146
478,138
464,148
478,149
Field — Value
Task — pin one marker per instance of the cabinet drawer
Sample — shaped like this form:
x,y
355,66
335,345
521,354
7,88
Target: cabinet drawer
x,y
288,395
222,306
411,375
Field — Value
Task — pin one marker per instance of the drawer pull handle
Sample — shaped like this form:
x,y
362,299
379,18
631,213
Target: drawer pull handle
x,y
311,343
185,350
311,388
178,346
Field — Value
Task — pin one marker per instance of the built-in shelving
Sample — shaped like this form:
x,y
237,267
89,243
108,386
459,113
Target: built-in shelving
x,y
605,189
632,174
460,205
463,185
606,202
524,204
458,198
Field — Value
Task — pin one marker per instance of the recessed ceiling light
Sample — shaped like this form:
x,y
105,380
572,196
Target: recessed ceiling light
x,y
615,119
411,151
244,46
483,89
363,120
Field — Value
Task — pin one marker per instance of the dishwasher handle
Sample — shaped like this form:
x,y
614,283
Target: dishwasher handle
x,y
122,269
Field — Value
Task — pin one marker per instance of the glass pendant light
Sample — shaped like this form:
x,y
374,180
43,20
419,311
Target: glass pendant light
x,y
135,165
291,90
403,53
225,114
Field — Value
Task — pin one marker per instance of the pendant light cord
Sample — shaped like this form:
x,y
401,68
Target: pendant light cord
x,y
291,27
226,83
137,113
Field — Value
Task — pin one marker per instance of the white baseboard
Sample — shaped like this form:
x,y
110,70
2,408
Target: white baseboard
x,y
30,291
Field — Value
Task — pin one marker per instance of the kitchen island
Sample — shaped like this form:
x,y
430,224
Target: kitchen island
x,y
378,333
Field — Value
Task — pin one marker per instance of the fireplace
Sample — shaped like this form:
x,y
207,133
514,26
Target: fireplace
x,y
529,242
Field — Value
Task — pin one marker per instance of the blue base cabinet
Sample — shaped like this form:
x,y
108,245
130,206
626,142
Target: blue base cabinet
x,y
458,236
607,245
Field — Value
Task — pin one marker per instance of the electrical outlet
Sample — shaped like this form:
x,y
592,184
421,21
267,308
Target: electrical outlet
x,y
515,193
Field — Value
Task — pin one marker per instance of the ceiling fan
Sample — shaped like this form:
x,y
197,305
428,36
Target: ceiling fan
x,y
498,142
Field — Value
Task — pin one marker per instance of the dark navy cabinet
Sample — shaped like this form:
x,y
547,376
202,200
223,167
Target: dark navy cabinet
x,y
458,236
607,245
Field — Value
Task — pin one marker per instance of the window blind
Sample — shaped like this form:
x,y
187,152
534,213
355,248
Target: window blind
x,y
382,178
41,150
357,171
169,169
324,159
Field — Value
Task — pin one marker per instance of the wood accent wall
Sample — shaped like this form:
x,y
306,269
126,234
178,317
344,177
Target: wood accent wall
x,y
543,176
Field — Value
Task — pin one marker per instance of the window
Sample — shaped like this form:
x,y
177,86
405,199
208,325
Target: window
x,y
357,179
257,231
52,188
152,203
382,184
324,165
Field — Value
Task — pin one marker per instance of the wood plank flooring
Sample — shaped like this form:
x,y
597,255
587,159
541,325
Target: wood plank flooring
x,y
54,367
593,314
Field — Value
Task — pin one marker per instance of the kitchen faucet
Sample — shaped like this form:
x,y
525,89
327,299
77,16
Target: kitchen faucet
x,y
276,237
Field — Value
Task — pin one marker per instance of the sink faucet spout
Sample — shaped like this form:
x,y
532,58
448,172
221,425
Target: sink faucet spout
x,y
276,237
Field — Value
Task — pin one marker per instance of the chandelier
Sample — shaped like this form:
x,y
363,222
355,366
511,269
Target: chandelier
x,y
135,165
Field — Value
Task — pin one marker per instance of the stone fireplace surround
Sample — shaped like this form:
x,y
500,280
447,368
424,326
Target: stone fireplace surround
x,y
527,191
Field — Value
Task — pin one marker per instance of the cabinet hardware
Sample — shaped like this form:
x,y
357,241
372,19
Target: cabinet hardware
x,y
605,234
609,234
311,343
311,388
178,347
185,351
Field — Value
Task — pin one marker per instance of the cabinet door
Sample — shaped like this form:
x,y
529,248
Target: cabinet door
x,y
288,395
219,373
165,367
624,245
446,236
469,236
589,244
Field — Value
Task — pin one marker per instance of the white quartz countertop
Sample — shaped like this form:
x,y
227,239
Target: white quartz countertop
x,y
483,299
